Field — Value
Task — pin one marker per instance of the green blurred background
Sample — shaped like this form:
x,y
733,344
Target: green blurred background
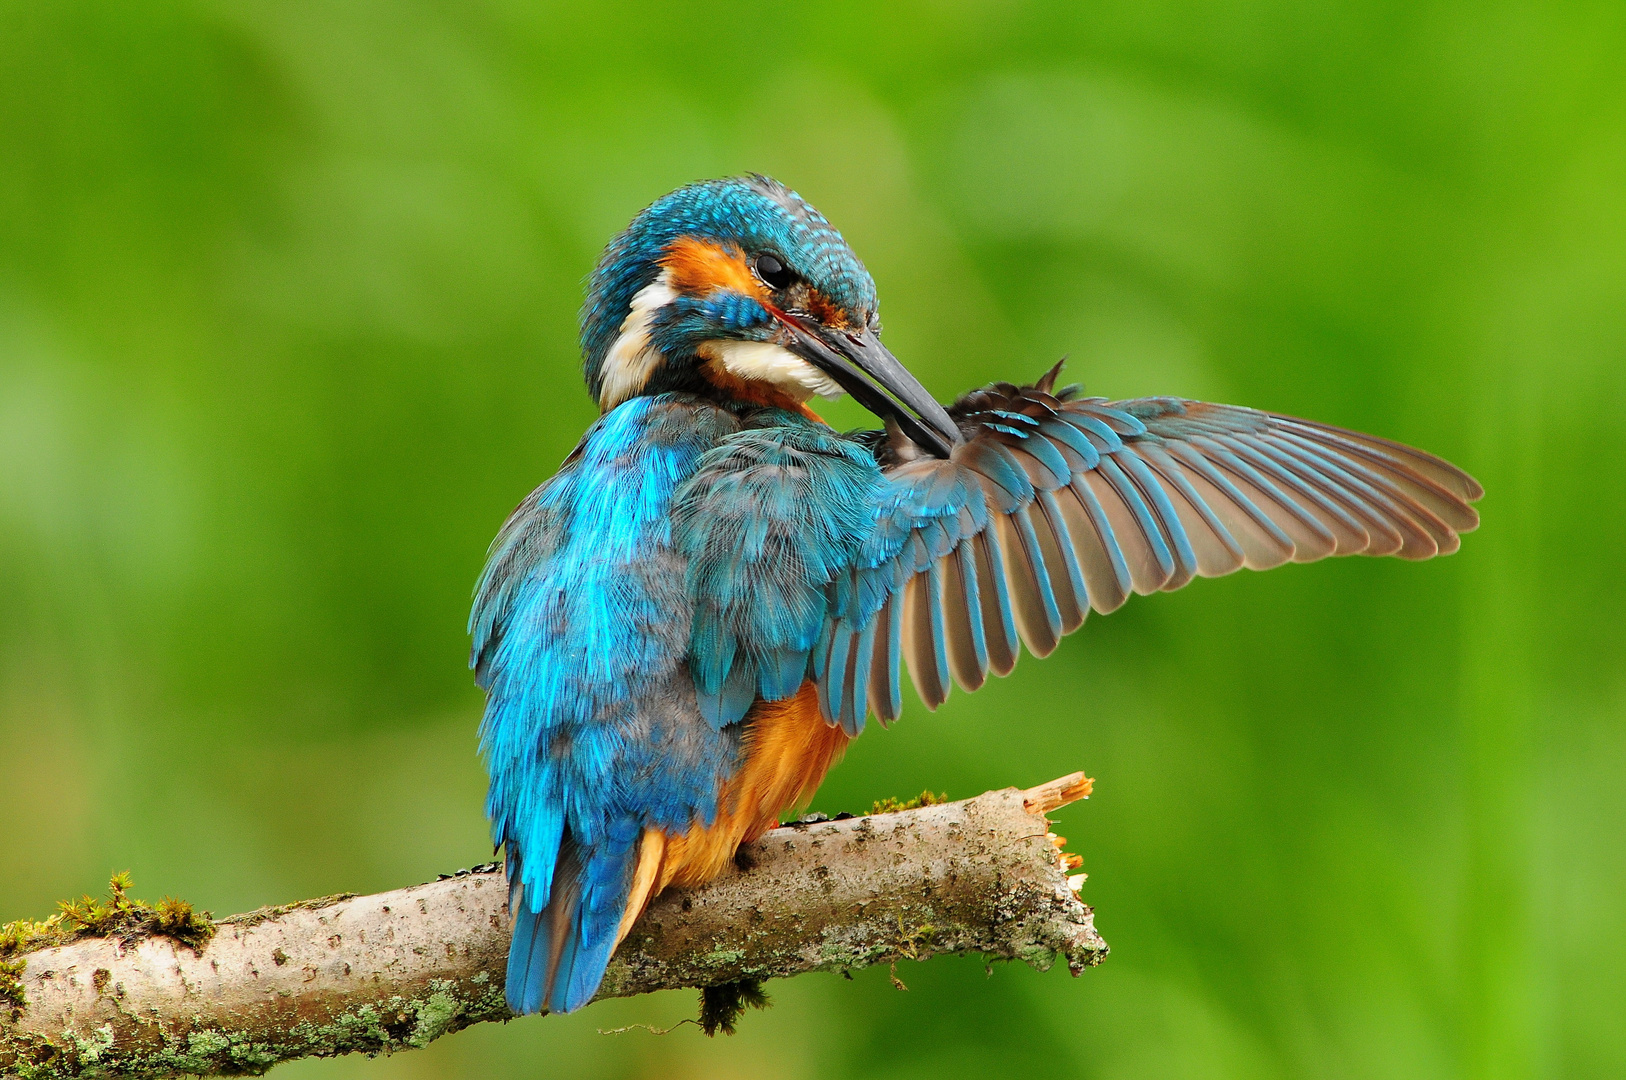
x,y
287,325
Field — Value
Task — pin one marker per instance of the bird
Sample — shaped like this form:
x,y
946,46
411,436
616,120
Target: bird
x,y
679,633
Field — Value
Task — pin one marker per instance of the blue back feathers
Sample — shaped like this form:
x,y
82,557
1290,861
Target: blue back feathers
x,y
581,625
633,607
772,515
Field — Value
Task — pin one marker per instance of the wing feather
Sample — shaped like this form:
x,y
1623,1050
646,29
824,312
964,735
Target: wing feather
x,y
1106,572
1311,492
1053,505
1033,600
885,687
858,680
998,622
1264,544
1280,495
1215,549
1442,474
924,649
1418,540
1166,517
968,645
1067,579
1383,537
1150,562
837,671
1308,539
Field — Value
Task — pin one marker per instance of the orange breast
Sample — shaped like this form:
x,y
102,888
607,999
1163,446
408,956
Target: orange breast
x,y
788,750
757,393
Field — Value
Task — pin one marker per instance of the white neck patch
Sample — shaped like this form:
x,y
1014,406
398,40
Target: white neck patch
x,y
765,362
633,358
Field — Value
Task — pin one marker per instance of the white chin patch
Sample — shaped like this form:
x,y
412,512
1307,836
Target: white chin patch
x,y
632,359
765,362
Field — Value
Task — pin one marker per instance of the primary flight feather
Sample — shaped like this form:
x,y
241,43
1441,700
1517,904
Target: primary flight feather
x,y
679,632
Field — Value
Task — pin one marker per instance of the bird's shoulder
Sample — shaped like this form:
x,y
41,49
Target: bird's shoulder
x,y
772,514
600,521
623,470
781,474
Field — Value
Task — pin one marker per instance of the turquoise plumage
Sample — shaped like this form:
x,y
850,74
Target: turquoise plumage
x,y
711,555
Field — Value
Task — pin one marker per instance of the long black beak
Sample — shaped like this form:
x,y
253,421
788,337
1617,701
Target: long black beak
x,y
863,367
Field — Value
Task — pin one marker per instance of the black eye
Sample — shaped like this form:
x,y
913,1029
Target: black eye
x,y
773,273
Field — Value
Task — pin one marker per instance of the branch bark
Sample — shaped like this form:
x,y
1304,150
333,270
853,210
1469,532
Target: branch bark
x,y
396,970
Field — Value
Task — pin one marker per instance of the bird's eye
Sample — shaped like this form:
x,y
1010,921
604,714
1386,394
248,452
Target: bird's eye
x,y
774,274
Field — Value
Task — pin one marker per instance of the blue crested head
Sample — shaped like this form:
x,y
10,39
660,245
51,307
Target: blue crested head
x,y
738,289
704,264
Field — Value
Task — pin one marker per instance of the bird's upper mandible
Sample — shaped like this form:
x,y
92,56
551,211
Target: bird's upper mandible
x,y
739,287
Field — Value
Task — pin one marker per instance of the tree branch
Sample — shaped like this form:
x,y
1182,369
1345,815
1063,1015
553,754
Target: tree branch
x,y
399,969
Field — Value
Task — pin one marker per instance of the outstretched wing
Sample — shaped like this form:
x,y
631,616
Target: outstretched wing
x,y
1054,505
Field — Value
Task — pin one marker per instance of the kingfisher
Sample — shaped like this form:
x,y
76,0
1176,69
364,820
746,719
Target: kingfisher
x,y
680,632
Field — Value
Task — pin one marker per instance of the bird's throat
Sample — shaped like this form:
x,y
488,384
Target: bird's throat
x,y
737,381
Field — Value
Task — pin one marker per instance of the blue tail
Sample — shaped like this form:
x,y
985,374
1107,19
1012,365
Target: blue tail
x,y
559,954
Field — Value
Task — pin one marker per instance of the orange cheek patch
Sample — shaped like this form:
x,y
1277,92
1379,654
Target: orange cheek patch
x,y
699,268
825,311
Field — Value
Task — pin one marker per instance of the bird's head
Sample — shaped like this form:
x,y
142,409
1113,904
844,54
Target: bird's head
x,y
739,287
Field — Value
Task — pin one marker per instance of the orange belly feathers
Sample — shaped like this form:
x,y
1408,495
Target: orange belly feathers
x,y
788,749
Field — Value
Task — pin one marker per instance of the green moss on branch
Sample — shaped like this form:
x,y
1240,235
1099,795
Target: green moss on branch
x,y
890,805
119,915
